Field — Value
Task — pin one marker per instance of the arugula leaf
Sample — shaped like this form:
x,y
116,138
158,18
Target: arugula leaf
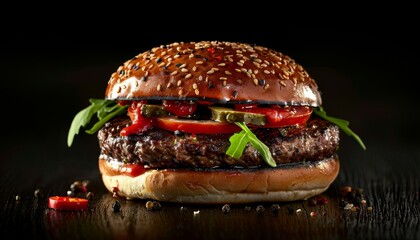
x,y
104,109
341,123
239,141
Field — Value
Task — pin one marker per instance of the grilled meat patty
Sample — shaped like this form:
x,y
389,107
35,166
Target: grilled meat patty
x,y
158,148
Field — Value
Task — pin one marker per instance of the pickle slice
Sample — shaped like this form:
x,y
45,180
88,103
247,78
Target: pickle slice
x,y
150,110
222,114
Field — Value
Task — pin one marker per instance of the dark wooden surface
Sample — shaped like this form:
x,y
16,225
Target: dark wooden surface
x,y
365,77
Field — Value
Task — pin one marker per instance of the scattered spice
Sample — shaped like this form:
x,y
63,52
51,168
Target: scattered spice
x,y
196,212
275,209
153,205
17,198
260,209
247,208
313,214
38,193
298,210
89,195
290,209
116,206
226,208
353,199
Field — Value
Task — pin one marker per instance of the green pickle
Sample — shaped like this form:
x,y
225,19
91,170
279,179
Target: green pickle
x,y
222,114
150,110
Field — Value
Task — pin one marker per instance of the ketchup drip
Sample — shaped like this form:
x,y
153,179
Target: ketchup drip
x,y
139,124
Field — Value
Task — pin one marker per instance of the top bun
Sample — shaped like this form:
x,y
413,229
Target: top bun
x,y
226,72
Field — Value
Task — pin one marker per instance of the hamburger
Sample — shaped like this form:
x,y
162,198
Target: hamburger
x,y
213,122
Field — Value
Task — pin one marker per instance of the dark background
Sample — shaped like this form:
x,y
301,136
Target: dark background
x,y
367,76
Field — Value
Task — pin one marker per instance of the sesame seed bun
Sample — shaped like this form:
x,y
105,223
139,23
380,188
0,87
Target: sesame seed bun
x,y
284,183
214,71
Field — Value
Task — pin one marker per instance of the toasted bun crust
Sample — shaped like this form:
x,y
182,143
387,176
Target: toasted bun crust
x,y
214,71
288,183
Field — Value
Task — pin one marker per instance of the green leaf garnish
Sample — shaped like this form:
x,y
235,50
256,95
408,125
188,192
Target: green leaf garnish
x,y
341,123
104,109
239,140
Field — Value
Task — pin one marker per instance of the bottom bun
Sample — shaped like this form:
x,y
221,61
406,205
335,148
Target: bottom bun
x,y
289,182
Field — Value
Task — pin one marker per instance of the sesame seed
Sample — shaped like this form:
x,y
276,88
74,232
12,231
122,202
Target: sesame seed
x,y
163,53
169,85
266,86
256,71
179,83
224,83
146,73
263,65
237,69
182,65
194,68
159,87
180,92
240,63
221,64
282,83
174,73
239,81
258,60
266,72
215,69
199,62
228,73
195,86
200,78
210,72
188,76
229,59
255,81
248,74
150,66
223,78
191,55
161,64
197,92
184,70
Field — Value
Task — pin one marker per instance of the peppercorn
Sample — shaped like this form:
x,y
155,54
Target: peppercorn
x,y
226,208
260,209
38,193
90,195
116,205
290,210
275,209
153,205
247,208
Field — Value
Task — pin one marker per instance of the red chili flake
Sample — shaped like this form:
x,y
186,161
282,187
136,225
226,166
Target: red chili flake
x,y
211,50
321,200
218,57
313,214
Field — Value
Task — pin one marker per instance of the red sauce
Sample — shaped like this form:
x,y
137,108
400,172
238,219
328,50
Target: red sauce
x,y
118,168
139,123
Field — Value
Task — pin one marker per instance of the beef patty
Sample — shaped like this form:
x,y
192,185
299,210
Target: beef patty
x,y
157,148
